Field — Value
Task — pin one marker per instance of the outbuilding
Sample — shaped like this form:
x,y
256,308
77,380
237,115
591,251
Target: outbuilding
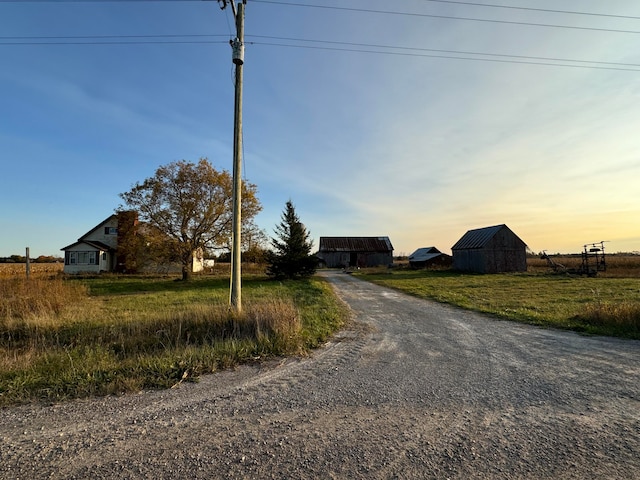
x,y
493,249
336,252
429,257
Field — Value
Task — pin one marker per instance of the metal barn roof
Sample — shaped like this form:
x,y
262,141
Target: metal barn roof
x,y
478,238
355,244
423,254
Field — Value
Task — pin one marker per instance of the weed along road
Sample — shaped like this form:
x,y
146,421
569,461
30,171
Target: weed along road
x,y
412,389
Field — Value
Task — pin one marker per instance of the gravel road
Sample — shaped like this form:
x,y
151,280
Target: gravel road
x,y
412,389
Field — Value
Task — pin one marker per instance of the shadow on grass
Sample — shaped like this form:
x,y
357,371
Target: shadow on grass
x,y
132,284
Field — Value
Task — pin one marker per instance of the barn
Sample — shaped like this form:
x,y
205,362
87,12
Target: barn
x,y
355,251
429,257
490,250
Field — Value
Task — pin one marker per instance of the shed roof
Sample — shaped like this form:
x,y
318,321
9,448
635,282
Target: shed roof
x,y
479,237
423,254
355,244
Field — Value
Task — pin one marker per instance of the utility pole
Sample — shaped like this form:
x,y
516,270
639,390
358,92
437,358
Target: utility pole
x,y
237,46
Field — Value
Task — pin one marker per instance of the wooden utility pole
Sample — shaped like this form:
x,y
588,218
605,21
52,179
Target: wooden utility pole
x,y
237,45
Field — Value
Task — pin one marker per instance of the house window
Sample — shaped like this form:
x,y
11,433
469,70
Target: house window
x,y
110,231
104,256
83,258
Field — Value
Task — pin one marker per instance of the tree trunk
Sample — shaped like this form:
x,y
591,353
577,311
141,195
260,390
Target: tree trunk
x,y
186,273
187,267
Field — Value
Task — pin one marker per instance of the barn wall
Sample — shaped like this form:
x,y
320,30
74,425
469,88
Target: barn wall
x,y
362,259
470,260
373,259
335,259
503,253
506,261
506,253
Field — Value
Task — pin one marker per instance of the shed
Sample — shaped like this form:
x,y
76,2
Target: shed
x,y
490,250
426,257
355,251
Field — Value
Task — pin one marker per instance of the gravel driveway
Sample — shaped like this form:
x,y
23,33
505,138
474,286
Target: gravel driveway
x,y
412,389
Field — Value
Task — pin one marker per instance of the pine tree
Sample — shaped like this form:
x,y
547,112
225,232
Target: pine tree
x,y
291,257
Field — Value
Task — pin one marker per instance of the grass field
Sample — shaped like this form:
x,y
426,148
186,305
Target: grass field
x,y
608,304
64,338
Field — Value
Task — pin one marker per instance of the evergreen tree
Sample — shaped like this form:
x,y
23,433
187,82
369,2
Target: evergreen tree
x,y
291,257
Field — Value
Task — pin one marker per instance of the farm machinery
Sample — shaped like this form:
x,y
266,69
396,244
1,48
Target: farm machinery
x,y
592,261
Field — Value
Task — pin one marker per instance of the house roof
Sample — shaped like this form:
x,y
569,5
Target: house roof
x,y
92,243
355,244
479,237
425,253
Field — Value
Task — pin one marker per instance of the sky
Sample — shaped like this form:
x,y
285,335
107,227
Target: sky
x,y
416,120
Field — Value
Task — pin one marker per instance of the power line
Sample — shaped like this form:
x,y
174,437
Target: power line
x,y
450,57
458,52
94,37
97,1
123,42
332,46
474,4
111,39
179,39
447,17
532,9
392,12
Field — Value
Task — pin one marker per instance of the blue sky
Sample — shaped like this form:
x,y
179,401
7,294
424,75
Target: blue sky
x,y
365,139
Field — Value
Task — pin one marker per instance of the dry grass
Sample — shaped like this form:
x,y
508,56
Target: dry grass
x,y
278,319
27,299
623,316
63,338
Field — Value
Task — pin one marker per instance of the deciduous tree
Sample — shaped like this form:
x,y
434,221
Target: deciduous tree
x,y
191,204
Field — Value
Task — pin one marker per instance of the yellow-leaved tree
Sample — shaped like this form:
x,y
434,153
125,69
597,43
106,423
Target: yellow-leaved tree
x,y
191,206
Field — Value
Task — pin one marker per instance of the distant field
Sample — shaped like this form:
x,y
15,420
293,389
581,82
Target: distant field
x,y
14,270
